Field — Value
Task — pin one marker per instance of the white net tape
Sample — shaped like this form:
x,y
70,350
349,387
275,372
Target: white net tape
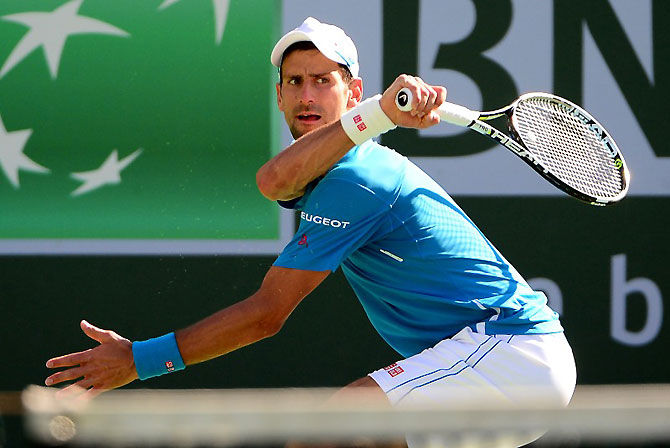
x,y
235,417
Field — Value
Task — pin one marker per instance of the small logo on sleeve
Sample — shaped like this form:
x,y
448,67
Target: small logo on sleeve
x,y
303,241
321,220
394,369
169,365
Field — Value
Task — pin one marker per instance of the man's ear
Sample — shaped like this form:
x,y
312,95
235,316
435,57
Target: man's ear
x,y
279,103
355,92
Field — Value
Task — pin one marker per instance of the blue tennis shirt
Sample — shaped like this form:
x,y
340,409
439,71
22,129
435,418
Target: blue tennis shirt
x,y
420,267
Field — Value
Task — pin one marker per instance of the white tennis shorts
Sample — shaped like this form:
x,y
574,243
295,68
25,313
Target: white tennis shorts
x,y
470,368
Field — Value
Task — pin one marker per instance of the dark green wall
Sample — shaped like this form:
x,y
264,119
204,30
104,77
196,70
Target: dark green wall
x,y
328,340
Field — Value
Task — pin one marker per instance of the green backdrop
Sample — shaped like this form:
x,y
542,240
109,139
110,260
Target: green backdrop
x,y
201,114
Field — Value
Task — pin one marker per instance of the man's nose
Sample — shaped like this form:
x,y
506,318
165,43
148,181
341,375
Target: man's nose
x,y
307,93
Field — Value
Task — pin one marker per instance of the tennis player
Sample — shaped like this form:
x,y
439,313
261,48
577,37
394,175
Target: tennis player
x,y
466,325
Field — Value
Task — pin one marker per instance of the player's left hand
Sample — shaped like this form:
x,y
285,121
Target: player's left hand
x,y
107,366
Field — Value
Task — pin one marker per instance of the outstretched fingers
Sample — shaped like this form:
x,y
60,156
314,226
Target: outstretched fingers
x,y
65,375
73,359
95,333
107,366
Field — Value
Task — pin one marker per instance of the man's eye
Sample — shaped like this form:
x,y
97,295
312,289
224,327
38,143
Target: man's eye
x,y
322,80
293,81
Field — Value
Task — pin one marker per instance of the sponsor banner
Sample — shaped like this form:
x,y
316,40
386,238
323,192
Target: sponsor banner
x,y
137,127
600,55
127,133
602,269
611,57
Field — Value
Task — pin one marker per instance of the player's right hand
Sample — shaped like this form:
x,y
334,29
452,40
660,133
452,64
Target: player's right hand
x,y
427,98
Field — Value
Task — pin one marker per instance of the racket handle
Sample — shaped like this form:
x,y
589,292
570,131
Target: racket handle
x,y
449,112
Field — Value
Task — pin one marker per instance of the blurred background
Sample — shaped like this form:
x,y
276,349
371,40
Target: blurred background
x,y
130,134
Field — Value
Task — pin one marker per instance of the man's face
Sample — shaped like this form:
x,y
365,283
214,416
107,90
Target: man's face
x,y
312,92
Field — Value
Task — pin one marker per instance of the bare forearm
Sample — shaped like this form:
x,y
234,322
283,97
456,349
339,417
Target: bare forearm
x,y
224,331
286,175
257,317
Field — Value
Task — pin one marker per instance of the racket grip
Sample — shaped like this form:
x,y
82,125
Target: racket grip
x,y
403,99
449,112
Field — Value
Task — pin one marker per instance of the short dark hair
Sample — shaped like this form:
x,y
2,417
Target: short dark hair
x,y
309,45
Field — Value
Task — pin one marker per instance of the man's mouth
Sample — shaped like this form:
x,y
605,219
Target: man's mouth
x,y
308,117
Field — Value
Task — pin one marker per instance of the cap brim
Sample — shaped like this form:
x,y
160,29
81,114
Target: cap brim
x,y
285,42
300,36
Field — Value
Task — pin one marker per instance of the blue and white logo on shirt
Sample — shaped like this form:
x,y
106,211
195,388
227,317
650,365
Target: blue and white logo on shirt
x,y
329,222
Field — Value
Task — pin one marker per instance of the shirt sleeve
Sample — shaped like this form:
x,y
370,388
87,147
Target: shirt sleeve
x,y
299,202
339,217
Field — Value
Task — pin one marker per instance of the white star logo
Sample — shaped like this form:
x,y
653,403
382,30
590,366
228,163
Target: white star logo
x,y
12,158
50,30
220,15
109,173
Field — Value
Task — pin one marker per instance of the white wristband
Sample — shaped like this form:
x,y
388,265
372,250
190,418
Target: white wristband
x,y
366,121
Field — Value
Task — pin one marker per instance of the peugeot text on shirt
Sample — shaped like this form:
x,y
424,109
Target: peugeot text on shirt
x,y
330,222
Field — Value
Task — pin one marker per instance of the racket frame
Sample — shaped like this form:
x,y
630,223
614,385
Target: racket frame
x,y
454,113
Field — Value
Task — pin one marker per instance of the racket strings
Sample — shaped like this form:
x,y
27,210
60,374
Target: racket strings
x,y
567,147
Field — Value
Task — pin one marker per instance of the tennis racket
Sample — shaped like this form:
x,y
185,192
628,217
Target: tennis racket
x,y
557,138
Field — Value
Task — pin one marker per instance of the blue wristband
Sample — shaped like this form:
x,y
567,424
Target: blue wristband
x,y
157,356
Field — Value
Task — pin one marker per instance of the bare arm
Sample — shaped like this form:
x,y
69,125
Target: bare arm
x,y
110,364
286,175
255,318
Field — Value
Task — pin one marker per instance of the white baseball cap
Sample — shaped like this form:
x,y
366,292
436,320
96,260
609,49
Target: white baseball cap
x,y
331,41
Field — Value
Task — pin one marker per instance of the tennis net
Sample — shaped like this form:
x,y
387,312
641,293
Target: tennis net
x,y
635,414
